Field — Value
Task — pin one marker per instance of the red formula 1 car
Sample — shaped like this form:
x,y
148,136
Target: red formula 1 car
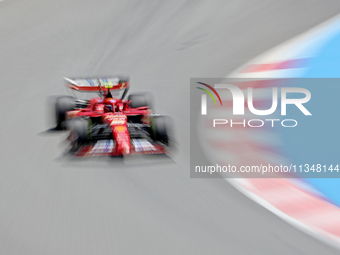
x,y
110,125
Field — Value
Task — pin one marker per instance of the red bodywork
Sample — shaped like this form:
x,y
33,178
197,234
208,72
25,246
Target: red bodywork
x,y
117,120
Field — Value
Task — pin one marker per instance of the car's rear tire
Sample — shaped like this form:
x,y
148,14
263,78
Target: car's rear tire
x,y
160,128
140,100
63,104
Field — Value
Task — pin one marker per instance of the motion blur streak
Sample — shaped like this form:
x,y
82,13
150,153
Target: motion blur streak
x,y
49,206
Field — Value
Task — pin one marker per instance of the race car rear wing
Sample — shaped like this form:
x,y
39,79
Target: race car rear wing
x,y
97,84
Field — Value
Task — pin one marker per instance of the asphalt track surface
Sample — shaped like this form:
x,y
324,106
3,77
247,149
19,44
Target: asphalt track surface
x,y
52,206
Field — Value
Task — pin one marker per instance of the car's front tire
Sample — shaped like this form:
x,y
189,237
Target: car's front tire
x,y
78,130
63,104
160,126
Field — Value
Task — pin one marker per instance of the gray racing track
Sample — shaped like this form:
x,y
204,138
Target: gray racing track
x,y
52,206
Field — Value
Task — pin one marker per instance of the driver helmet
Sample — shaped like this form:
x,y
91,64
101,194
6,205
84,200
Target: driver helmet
x,y
108,108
